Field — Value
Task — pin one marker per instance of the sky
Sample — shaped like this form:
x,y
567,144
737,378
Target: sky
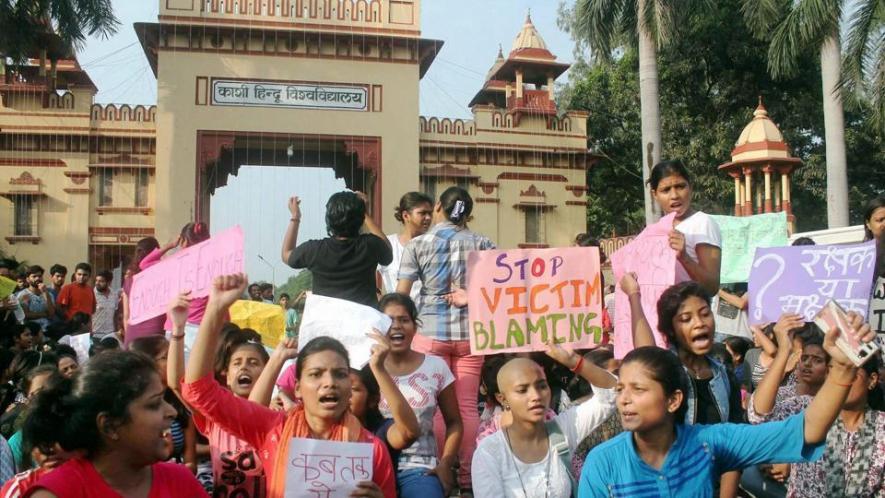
x,y
471,30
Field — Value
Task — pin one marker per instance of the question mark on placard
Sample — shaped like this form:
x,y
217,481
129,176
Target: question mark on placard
x,y
757,313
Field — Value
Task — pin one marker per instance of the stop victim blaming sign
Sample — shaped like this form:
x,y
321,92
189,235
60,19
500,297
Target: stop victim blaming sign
x,y
519,299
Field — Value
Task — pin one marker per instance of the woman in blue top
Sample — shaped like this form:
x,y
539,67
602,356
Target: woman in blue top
x,y
658,455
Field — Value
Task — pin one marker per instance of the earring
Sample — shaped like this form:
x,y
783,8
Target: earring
x,y
507,406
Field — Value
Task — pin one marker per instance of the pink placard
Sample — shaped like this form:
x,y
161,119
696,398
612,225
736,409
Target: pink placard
x,y
649,256
521,298
191,269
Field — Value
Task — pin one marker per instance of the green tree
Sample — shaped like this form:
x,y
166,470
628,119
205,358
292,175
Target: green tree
x,y
709,80
794,29
649,25
52,28
302,281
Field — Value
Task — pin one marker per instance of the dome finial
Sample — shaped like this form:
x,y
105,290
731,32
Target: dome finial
x,y
760,111
528,16
500,52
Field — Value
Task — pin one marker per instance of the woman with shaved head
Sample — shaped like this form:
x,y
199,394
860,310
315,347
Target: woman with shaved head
x,y
532,456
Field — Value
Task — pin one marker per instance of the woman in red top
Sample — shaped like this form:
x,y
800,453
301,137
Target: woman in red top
x,y
323,372
114,415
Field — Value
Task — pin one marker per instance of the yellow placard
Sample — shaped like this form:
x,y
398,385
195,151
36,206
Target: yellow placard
x,y
7,287
268,320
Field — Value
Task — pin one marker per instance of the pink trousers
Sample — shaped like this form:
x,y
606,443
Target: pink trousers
x,y
466,369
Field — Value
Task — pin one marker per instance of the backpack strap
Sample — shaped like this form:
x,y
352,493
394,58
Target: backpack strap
x,y
559,445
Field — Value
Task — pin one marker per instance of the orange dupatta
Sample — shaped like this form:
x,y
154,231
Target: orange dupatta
x,y
348,429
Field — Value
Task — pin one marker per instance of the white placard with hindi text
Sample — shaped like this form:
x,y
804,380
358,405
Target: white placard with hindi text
x,y
317,468
345,321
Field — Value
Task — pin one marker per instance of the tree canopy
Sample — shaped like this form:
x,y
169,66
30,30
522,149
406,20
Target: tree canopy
x,y
54,26
710,78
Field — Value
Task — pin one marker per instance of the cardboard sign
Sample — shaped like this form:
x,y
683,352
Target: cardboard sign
x,y
326,469
740,238
521,298
345,321
7,287
649,256
190,269
802,279
269,320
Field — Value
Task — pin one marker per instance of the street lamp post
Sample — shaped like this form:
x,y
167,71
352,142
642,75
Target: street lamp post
x,y
273,272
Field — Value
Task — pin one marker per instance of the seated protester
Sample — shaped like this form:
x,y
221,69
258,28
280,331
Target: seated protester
x,y
236,466
493,417
21,339
22,364
737,349
660,455
368,386
68,363
115,415
532,457
35,300
807,378
428,384
182,433
77,296
758,360
867,426
38,378
398,432
323,386
684,317
343,264
38,340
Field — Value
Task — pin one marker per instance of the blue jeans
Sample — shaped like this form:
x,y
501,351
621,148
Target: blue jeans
x,y
415,483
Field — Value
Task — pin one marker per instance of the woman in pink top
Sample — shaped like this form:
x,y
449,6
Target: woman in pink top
x,y
114,415
323,373
147,253
191,234
236,468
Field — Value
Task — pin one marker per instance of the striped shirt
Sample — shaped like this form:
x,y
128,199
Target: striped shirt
x,y
697,458
438,259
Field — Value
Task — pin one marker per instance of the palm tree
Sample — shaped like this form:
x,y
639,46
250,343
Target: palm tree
x,y
51,27
799,26
607,24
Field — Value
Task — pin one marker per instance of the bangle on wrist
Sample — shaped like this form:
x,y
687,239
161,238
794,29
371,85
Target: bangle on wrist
x,y
577,367
296,220
176,337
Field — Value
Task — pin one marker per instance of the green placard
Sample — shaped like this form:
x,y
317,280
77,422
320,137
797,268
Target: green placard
x,y
740,238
